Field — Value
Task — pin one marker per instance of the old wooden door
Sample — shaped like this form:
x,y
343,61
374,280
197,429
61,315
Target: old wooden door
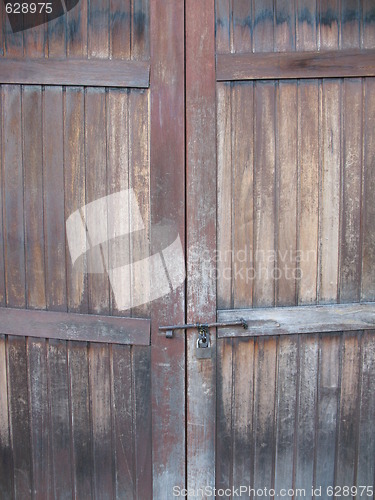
x,y
280,117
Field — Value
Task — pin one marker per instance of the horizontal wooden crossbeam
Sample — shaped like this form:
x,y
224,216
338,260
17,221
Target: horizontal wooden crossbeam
x,y
71,326
302,319
281,65
87,72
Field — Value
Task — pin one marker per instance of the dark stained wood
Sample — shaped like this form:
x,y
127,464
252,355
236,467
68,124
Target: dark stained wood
x,y
100,411
67,326
33,199
97,27
2,236
58,383
350,24
167,150
82,451
368,206
39,417
74,190
223,26
120,33
335,64
140,31
13,198
56,35
19,417
6,460
53,188
75,72
306,319
201,228
76,31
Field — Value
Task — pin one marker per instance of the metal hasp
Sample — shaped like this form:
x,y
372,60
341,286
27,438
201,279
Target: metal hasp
x,y
170,329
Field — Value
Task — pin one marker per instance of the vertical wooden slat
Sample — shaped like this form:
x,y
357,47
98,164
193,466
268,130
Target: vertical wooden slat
x,y
100,395
53,182
350,24
120,33
243,179
76,34
242,412
123,418
224,195
286,401
287,179
98,29
39,417
2,220
306,417
82,459
264,194
263,34
330,190
328,393
13,42
74,182
264,412
57,39
348,416
19,417
139,181
201,228
6,465
13,194
350,255
329,15
34,39
242,26
366,440
224,423
368,206
308,186
223,26
285,25
60,419
368,13
168,206
142,421
118,180
306,29
96,187
33,178
140,42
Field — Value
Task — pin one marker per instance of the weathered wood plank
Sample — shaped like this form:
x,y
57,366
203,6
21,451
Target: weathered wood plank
x,y
6,460
13,197
119,29
304,319
33,196
368,205
96,188
263,31
19,417
350,246
225,195
286,194
123,422
56,31
264,195
61,438
40,425
76,31
243,185
242,20
167,190
2,218
98,73
82,458
67,326
285,25
201,227
74,191
98,26
223,26
308,179
330,187
34,39
53,183
100,412
350,24
140,30
306,29
368,24
271,66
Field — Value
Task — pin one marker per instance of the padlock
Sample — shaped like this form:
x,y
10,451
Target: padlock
x,y
203,347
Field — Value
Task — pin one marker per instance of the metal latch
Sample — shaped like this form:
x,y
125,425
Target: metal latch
x,y
170,329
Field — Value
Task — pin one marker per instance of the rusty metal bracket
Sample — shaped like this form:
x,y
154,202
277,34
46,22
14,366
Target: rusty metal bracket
x,y
170,329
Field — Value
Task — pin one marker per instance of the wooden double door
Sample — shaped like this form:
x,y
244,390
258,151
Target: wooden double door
x,y
244,131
